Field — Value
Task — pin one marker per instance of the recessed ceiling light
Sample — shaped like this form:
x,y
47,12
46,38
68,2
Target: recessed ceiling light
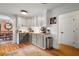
x,y
24,12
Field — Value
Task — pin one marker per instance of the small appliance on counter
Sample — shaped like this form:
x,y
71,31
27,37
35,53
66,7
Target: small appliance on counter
x,y
43,29
30,30
48,31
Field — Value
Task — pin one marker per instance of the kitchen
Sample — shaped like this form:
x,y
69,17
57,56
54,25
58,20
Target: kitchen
x,y
34,30
42,26
30,28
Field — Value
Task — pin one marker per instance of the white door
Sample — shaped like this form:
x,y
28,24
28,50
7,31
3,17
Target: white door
x,y
67,27
77,31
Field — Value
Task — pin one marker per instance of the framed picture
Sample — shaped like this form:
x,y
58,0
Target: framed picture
x,y
8,26
53,20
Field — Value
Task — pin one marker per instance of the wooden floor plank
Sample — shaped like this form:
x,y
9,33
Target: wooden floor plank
x,y
63,50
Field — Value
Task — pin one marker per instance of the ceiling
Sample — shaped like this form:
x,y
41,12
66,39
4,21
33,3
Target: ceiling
x,y
32,8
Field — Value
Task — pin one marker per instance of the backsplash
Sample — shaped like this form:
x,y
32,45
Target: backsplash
x,y
53,30
25,29
36,29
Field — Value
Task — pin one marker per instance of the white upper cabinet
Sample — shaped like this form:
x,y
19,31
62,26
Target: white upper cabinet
x,y
24,22
29,23
39,21
43,21
34,21
21,22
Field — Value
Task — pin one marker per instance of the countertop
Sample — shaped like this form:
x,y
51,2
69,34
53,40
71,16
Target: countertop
x,y
39,33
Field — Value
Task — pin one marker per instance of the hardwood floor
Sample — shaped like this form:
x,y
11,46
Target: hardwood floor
x,y
68,50
32,50
10,47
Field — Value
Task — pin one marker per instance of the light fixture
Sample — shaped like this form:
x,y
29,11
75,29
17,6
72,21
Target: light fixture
x,y
44,3
24,12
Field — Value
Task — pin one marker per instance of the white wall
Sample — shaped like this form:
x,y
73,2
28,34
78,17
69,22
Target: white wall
x,y
48,17
67,25
14,30
65,8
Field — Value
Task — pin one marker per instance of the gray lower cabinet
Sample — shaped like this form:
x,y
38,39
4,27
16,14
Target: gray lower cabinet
x,y
44,40
38,40
34,39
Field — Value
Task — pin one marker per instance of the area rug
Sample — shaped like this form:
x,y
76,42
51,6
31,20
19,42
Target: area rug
x,y
28,51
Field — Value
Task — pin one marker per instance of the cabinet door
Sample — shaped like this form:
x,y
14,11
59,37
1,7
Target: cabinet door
x,y
44,42
34,21
34,39
38,22
29,23
40,41
43,21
